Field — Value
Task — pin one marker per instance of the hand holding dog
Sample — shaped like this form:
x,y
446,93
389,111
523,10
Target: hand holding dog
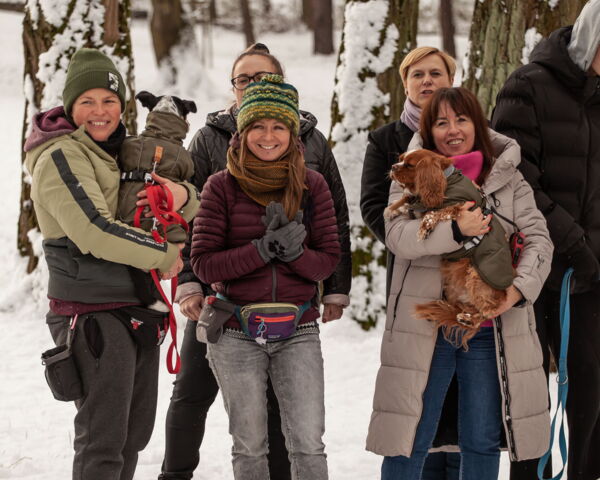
x,y
473,223
173,269
513,296
180,194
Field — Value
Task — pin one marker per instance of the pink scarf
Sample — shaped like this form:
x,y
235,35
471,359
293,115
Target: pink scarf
x,y
470,164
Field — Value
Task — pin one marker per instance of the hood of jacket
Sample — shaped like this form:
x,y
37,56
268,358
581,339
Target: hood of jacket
x,y
507,155
47,125
585,38
552,53
226,120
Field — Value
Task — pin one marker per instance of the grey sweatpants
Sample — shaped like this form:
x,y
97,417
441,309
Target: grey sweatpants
x,y
115,418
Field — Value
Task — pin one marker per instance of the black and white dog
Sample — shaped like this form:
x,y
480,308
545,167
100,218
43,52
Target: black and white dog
x,y
166,103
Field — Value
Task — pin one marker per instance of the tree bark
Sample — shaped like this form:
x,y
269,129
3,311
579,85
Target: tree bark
x,y
165,26
368,93
213,10
497,40
323,26
46,55
247,19
447,27
308,7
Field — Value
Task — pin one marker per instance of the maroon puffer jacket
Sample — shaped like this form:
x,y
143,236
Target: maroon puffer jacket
x,y
227,222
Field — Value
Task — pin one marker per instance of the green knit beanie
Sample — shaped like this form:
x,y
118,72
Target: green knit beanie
x,y
90,68
270,98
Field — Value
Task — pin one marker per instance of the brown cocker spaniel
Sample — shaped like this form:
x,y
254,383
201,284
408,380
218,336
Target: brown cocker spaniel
x,y
468,299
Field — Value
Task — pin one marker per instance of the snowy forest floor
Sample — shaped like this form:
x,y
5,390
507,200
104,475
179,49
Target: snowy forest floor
x,y
36,432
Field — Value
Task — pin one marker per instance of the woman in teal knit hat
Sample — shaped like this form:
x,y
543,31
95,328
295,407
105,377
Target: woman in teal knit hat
x,y
72,157
264,236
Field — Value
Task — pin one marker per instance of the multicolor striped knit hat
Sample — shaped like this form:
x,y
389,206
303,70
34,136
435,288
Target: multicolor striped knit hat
x,y
270,98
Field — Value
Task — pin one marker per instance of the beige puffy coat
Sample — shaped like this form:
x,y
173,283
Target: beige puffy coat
x,y
408,343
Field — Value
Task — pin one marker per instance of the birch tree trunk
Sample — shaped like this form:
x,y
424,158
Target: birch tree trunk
x,y
50,36
368,93
503,33
175,46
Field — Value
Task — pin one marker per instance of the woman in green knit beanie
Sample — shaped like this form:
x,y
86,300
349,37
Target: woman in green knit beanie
x,y
72,158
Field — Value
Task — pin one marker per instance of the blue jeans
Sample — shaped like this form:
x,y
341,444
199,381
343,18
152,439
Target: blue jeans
x,y
479,411
295,367
441,466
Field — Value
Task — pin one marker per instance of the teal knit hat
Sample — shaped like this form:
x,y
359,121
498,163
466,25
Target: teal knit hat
x,y
270,98
90,68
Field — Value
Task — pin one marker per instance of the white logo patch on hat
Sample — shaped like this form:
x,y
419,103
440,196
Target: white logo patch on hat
x,y
113,82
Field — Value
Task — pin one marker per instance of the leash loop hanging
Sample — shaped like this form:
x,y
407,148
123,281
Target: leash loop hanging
x,y
562,380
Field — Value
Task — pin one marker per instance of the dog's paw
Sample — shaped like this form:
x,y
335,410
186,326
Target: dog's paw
x,y
465,319
388,213
427,225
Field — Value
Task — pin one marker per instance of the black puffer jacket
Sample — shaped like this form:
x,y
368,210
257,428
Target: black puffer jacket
x,y
209,152
552,108
385,145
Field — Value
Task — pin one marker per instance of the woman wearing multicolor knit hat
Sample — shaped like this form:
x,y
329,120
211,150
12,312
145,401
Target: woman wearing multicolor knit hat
x,y
264,236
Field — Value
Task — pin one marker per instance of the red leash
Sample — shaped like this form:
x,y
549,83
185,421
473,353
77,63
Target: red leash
x,y
160,201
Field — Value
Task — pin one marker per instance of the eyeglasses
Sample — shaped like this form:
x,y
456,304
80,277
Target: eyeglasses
x,y
242,81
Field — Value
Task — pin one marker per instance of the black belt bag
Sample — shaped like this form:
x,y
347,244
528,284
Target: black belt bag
x,y
147,327
61,370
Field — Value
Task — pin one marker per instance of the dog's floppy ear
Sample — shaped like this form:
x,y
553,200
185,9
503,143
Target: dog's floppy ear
x,y
147,99
430,182
445,162
188,106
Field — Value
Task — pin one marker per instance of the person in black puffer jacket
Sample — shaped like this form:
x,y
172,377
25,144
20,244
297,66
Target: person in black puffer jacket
x,y
551,106
195,388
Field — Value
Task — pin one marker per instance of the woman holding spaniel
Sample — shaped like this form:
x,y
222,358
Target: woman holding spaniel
x,y
502,399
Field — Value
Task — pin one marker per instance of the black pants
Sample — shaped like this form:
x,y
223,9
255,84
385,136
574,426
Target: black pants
x,y
115,418
583,400
194,391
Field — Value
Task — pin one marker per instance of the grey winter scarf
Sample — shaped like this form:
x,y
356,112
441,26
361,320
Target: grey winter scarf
x,y
411,115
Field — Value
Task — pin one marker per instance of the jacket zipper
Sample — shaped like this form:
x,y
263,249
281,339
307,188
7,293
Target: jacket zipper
x,y
398,298
506,416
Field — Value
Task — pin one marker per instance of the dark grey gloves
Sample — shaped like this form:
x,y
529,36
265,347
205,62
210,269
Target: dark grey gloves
x,y
585,264
283,239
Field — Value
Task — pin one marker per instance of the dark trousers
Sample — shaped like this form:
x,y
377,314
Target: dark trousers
x,y
115,418
194,391
583,400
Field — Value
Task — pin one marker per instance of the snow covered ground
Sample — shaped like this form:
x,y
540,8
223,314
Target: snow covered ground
x,y
36,431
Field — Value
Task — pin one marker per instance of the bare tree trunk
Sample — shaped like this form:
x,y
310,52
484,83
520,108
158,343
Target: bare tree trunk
x,y
368,72
501,39
247,17
447,26
47,48
175,46
266,6
323,26
308,12
212,9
